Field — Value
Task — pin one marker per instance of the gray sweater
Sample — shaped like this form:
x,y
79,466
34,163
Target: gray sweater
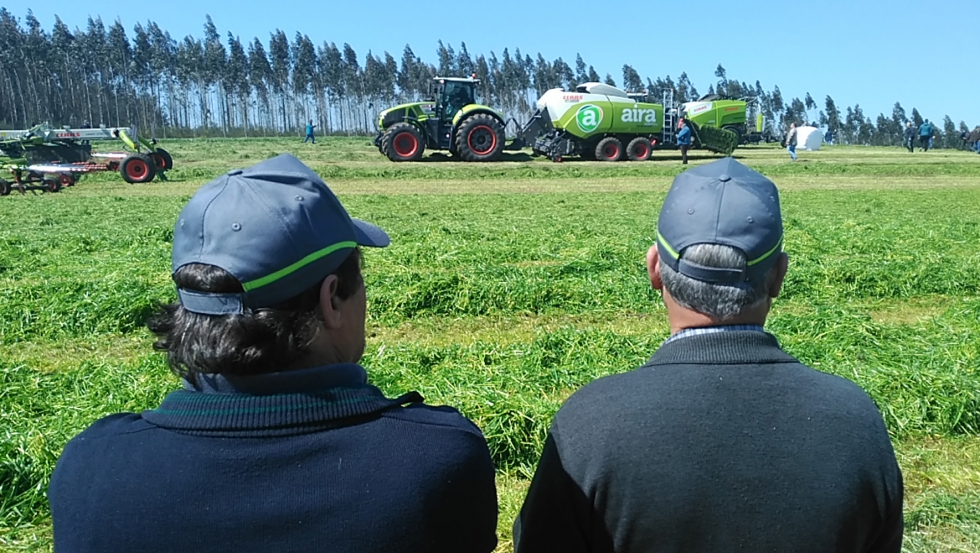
x,y
721,442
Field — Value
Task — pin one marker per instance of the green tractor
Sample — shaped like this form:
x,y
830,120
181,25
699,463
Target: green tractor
x,y
453,122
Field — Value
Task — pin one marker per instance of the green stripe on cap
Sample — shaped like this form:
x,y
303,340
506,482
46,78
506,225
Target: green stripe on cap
x,y
662,240
767,254
260,282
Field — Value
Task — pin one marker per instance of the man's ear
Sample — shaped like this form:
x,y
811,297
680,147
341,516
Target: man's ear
x,y
329,305
781,267
653,268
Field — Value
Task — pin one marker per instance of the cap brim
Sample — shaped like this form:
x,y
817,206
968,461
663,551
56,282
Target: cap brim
x,y
370,235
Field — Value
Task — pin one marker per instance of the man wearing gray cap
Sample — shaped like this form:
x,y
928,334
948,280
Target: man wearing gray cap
x,y
277,441
721,441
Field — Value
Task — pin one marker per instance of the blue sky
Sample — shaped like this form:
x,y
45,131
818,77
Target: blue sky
x,y
924,54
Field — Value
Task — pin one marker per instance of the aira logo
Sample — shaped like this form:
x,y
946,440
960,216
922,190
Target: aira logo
x,y
589,117
644,117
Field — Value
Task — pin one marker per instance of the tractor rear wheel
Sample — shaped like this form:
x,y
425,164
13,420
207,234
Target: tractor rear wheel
x,y
4,187
609,149
480,137
162,159
51,185
403,142
639,149
137,169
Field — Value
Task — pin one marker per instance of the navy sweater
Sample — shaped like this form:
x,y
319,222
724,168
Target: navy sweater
x,y
721,442
339,469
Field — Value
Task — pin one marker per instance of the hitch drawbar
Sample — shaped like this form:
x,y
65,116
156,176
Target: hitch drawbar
x,y
538,124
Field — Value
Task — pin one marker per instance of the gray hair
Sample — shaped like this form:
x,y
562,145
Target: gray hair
x,y
719,301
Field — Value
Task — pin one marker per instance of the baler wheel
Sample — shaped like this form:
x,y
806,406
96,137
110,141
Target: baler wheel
x,y
609,149
639,149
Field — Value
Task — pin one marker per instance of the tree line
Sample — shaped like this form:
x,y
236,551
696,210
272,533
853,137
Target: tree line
x,y
213,85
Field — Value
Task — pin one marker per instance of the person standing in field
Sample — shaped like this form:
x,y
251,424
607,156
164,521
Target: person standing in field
x,y
910,137
722,441
974,138
925,135
791,141
277,440
684,140
309,132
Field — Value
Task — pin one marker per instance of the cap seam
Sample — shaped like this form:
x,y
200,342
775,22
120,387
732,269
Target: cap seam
x,y
204,214
718,203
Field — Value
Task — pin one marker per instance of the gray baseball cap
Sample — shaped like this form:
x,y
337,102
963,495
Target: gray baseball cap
x,y
722,202
275,226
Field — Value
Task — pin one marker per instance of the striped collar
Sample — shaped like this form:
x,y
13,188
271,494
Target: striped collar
x,y
701,331
271,414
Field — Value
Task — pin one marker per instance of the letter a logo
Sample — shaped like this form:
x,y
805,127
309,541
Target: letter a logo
x,y
589,118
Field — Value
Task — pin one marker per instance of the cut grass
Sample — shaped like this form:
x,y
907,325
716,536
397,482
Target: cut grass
x,y
507,287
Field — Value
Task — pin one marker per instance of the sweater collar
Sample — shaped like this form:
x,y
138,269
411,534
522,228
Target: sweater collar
x,y
286,402
285,382
722,348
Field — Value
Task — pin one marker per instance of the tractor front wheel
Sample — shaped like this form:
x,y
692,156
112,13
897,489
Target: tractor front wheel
x,y
480,137
403,142
4,187
609,149
639,149
137,169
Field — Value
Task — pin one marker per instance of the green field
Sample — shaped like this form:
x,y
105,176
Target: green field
x,y
510,285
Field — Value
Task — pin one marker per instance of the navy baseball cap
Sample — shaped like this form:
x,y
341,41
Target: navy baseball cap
x,y
276,227
726,203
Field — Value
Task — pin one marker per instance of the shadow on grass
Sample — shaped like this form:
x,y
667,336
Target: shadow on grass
x,y
443,157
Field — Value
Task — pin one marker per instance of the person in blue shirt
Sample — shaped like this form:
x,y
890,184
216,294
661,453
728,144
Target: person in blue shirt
x,y
309,132
925,135
684,140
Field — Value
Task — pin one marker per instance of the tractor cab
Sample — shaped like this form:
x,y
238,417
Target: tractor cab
x,y
451,95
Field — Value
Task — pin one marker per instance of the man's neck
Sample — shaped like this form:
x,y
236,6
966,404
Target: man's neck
x,y
682,318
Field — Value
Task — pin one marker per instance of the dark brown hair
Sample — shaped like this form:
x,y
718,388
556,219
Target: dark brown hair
x,y
258,341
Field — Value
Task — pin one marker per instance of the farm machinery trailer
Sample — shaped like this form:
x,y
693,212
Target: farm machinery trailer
x,y
47,158
726,113
601,122
596,121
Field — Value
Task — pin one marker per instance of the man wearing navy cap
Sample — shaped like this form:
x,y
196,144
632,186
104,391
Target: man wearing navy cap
x,y
722,441
277,441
